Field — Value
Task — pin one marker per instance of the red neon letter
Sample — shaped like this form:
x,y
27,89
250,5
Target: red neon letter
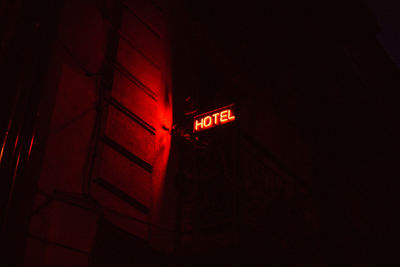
x,y
224,116
207,121
229,115
215,118
196,123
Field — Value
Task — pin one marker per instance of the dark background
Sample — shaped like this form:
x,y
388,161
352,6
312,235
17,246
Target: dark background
x,y
306,176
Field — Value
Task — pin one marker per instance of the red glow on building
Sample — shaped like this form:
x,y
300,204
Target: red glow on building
x,y
31,144
214,118
5,140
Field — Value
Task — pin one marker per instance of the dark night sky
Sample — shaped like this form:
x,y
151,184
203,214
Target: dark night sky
x,y
387,13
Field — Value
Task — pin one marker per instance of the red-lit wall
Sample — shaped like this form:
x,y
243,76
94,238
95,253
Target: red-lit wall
x,y
109,140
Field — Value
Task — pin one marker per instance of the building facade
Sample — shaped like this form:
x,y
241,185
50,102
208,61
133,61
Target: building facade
x,y
100,165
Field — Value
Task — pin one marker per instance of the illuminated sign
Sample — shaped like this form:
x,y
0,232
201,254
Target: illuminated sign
x,y
214,118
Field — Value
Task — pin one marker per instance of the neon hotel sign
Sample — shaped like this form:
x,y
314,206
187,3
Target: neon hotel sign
x,y
214,118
